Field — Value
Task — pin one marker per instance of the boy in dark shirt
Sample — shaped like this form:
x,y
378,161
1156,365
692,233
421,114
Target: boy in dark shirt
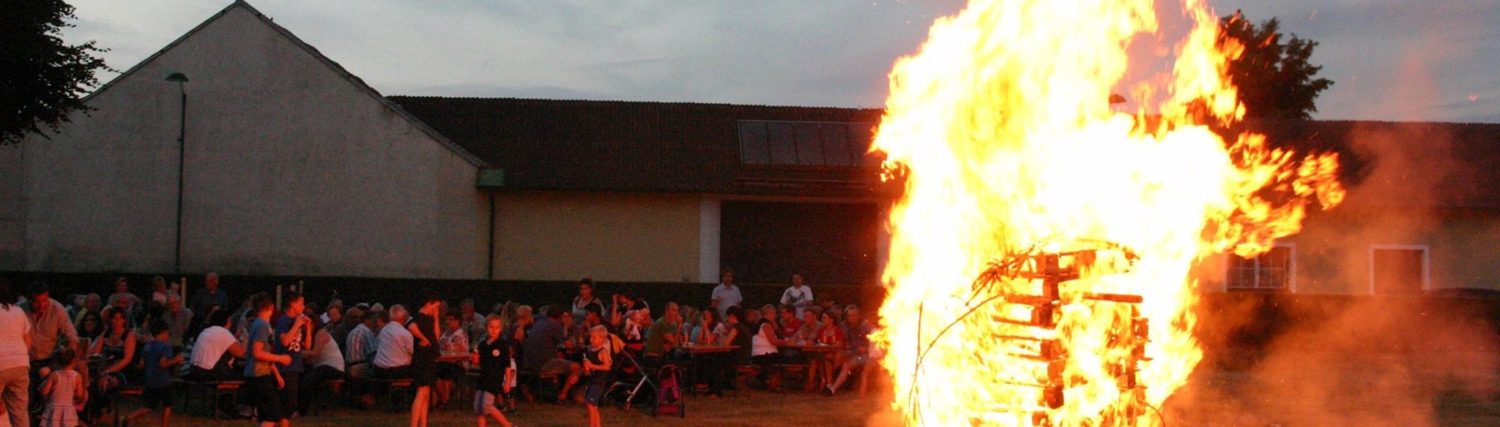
x,y
496,370
159,361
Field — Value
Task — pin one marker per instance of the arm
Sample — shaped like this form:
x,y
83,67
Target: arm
x,y
260,352
47,386
237,350
68,331
417,336
124,362
170,361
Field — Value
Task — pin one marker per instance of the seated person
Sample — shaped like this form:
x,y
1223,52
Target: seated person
x,y
394,346
858,333
539,351
214,351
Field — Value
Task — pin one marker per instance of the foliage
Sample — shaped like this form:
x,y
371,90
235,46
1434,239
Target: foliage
x,y
1274,76
42,79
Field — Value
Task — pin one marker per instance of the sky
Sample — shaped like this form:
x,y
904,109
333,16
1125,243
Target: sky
x,y
1394,60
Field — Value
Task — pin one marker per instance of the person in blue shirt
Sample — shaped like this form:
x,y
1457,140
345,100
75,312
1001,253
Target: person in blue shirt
x,y
159,362
293,334
262,378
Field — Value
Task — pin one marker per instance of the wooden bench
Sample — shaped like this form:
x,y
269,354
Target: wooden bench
x,y
213,392
392,386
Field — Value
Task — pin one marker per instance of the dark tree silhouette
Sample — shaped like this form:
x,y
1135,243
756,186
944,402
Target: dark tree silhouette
x,y
42,79
1274,76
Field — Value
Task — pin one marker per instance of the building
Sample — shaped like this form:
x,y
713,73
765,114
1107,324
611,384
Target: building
x,y
294,167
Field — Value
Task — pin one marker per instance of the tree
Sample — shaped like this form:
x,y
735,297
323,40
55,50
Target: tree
x,y
1274,77
42,79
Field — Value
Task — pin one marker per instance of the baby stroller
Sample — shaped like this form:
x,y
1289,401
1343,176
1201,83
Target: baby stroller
x,y
669,395
632,379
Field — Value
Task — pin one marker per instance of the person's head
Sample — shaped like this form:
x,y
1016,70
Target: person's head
x,y
492,326
809,316
159,284
211,281
466,307
262,305
158,329
221,318
174,303
752,315
788,313
586,288
64,358
429,303
727,277
293,304
556,312
598,335
122,285
523,314
768,312
826,318
335,312
593,314
91,324
796,280
92,302
379,319
851,315
837,312
40,296
353,317
566,320
115,319
732,315
450,321
399,314
708,317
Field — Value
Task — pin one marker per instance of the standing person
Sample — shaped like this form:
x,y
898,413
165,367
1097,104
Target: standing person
x,y
209,295
424,332
50,326
726,294
62,389
159,362
15,357
597,365
584,298
797,296
495,357
293,333
262,377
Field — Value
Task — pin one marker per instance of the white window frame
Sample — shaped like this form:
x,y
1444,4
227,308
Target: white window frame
x,y
1291,280
1426,262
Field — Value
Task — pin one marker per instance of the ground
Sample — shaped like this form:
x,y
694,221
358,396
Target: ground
x,y
1374,389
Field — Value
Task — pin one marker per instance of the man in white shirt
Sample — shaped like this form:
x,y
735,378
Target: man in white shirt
x,y
393,347
726,294
798,296
208,361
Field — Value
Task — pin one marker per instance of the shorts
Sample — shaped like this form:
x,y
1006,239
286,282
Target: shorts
x,y
856,360
556,366
595,394
157,398
483,401
266,398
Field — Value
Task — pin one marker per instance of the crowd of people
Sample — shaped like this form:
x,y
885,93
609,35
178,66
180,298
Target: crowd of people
x,y
64,362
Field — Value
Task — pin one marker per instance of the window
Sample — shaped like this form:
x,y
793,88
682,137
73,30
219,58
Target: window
x,y
838,144
1268,271
1398,269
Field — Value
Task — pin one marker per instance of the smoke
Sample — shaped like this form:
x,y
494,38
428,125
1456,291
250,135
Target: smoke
x,y
1332,354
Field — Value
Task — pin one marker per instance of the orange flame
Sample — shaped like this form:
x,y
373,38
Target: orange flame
x,y
1001,134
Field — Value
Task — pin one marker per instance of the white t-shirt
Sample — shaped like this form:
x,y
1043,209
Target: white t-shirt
x,y
13,326
393,346
328,352
210,346
797,296
760,344
727,296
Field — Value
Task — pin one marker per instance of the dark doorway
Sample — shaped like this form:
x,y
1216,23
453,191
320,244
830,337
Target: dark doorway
x,y
1398,271
829,243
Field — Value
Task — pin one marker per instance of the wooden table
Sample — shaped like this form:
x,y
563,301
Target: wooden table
x,y
697,349
814,352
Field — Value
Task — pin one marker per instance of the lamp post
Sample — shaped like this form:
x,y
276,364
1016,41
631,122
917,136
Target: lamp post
x,y
180,79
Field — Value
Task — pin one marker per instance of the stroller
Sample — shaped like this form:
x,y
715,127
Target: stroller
x,y
632,379
669,395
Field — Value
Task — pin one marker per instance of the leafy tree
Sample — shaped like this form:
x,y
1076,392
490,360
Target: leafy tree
x,y
42,79
1274,76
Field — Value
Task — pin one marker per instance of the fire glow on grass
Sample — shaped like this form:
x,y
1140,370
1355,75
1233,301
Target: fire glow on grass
x,y
1001,133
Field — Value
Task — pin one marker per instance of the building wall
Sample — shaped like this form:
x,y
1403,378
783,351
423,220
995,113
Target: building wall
x,y
611,237
12,209
291,169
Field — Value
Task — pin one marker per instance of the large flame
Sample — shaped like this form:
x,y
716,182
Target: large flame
x,y
1001,132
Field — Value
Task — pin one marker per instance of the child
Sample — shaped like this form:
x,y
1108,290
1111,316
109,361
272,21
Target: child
x,y
262,378
597,365
62,388
159,362
493,355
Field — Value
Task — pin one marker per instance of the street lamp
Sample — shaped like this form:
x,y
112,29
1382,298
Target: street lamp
x,y
180,79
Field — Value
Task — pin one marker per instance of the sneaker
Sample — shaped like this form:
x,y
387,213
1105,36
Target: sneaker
x,y
828,391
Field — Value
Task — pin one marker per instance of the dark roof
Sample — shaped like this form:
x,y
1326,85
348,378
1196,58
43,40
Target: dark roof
x,y
623,146
687,147
1408,165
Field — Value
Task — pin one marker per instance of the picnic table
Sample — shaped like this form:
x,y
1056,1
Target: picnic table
x,y
815,352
